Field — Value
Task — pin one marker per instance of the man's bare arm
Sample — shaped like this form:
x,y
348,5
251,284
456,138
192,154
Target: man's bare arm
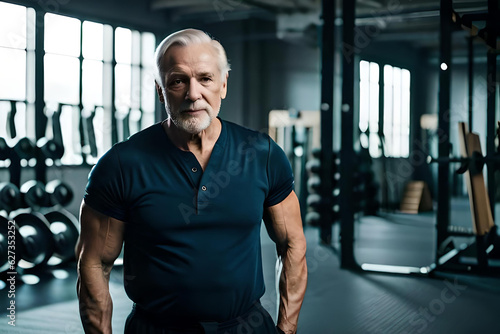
x,y
99,245
284,225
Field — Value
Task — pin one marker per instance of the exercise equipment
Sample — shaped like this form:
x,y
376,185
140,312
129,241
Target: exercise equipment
x,y
47,239
297,132
50,149
474,257
348,158
25,149
59,193
64,228
34,195
9,236
87,134
36,239
10,195
46,232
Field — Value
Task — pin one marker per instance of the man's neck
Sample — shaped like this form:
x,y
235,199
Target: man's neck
x,y
199,142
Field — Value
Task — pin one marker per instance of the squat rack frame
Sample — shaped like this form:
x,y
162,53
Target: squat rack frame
x,y
448,22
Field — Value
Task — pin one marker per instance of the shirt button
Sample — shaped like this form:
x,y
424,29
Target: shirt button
x,y
203,188
194,169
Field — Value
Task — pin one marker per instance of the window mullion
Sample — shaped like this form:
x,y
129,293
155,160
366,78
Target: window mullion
x,y
80,99
40,124
114,126
381,92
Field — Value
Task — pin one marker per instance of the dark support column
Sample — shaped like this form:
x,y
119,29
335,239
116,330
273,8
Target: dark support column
x,y
39,75
114,122
327,61
40,118
347,151
383,159
470,57
491,99
443,207
80,98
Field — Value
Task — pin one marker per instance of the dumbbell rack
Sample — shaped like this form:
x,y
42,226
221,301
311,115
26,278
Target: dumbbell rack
x,y
45,233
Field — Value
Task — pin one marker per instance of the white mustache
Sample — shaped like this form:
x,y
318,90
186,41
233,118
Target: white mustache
x,y
199,105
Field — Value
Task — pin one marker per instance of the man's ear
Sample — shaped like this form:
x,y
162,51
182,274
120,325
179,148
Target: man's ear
x,y
159,90
224,87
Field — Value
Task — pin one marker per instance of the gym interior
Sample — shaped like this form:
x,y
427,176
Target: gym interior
x,y
388,111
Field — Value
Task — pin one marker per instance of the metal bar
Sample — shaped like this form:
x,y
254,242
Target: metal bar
x,y
443,207
39,74
347,154
470,57
384,185
491,87
40,118
327,74
81,129
114,121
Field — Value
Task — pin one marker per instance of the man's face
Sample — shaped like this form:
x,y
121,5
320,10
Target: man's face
x,y
193,86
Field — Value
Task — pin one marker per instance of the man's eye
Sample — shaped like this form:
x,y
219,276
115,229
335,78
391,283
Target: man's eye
x,y
176,82
206,79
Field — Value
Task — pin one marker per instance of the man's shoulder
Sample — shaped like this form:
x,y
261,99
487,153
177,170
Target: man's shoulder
x,y
138,144
244,133
141,139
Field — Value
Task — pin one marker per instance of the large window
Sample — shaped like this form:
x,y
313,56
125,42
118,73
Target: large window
x,y
98,80
17,73
394,121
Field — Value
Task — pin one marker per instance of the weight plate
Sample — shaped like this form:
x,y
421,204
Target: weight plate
x,y
36,237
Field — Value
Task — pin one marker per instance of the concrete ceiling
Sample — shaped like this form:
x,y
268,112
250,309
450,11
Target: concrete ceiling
x,y
413,21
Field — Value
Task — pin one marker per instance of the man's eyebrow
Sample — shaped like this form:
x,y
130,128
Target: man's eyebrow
x,y
205,74
175,72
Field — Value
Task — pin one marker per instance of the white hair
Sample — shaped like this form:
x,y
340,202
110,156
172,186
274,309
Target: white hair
x,y
184,38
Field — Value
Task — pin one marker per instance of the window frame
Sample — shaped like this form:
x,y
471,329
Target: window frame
x,y
37,80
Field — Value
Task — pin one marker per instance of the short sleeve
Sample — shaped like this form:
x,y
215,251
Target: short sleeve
x,y
280,175
104,190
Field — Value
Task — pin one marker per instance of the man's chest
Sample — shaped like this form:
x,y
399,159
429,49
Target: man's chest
x,y
179,194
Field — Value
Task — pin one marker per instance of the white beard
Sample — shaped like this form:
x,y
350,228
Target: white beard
x,y
192,124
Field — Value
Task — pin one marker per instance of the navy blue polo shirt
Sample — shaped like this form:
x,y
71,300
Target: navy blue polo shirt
x,y
192,237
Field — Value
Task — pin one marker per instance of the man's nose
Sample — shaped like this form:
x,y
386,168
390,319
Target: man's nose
x,y
194,90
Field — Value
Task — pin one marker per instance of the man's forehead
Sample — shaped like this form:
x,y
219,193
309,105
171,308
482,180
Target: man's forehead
x,y
198,55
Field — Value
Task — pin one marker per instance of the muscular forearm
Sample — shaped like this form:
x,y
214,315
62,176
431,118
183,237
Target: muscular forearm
x,y
95,302
292,286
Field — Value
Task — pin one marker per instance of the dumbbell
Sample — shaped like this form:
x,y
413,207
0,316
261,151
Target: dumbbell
x,y
53,235
9,236
314,184
5,150
64,228
313,218
59,193
25,148
36,238
34,194
50,149
313,166
10,197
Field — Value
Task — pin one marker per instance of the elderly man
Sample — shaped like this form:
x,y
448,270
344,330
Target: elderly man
x,y
186,197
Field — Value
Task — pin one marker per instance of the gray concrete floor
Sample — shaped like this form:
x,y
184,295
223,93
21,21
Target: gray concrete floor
x,y
337,300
